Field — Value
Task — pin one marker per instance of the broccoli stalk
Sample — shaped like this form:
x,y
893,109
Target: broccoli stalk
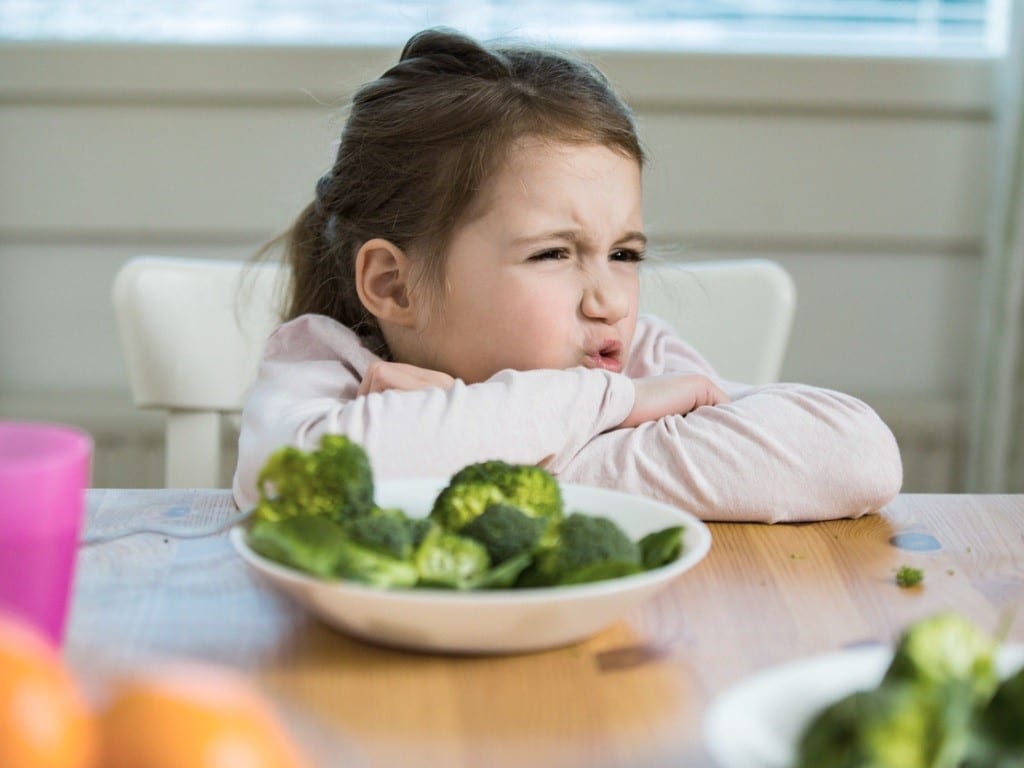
x,y
322,547
446,559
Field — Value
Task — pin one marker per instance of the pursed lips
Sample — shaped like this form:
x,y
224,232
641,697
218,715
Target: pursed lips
x,y
607,356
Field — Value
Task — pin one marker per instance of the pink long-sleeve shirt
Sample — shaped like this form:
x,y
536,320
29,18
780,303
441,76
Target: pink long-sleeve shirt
x,y
779,452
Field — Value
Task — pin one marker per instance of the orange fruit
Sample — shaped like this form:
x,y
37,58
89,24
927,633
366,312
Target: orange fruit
x,y
188,714
44,718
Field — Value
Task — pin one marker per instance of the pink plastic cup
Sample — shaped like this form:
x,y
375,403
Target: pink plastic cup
x,y
44,471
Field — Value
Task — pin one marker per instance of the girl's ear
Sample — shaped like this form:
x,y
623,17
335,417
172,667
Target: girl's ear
x,y
383,281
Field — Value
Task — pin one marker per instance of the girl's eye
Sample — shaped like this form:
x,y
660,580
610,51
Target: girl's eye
x,y
627,254
550,255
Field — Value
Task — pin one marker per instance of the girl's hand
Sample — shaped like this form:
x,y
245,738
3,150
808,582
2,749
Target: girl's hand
x,y
670,394
382,376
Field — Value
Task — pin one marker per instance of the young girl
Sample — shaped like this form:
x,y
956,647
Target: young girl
x,y
465,288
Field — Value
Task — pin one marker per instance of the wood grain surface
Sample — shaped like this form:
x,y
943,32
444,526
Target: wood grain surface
x,y
634,695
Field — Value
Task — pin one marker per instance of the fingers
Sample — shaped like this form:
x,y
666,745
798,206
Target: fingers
x,y
382,376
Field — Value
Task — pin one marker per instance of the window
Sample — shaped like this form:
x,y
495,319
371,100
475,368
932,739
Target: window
x,y
911,27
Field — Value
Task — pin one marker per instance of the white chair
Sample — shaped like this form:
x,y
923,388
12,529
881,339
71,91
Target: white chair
x,y
192,332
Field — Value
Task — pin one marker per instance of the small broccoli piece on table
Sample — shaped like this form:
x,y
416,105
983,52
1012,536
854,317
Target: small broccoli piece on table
x,y
446,559
909,577
881,728
334,481
505,531
474,488
661,547
588,549
943,649
384,530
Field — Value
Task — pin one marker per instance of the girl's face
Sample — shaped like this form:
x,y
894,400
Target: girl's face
x,y
546,275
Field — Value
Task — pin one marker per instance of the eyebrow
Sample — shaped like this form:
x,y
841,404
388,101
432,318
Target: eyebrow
x,y
573,236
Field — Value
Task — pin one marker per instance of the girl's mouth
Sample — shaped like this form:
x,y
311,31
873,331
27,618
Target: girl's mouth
x,y
608,357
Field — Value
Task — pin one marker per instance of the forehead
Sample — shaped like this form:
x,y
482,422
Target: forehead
x,y
537,174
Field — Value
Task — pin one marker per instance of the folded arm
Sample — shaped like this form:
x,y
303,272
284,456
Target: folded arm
x,y
532,417
782,452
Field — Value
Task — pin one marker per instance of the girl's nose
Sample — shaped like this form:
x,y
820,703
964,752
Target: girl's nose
x,y
605,297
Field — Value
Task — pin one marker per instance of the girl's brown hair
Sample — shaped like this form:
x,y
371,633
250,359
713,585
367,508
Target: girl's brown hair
x,y
418,145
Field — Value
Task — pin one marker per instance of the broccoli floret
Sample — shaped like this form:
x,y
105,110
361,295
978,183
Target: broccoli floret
x,y
661,547
334,481
946,648
322,547
476,487
446,559
384,530
999,728
463,501
884,727
307,542
419,527
505,531
934,708
589,549
534,490
909,577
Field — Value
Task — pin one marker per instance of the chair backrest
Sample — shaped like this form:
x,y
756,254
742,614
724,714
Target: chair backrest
x,y
192,332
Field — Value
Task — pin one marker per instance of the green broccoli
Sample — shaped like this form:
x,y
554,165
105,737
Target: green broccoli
x,y
661,547
505,531
886,727
998,736
419,528
934,708
946,648
476,487
322,547
909,577
589,549
502,576
307,542
384,530
446,559
359,563
334,481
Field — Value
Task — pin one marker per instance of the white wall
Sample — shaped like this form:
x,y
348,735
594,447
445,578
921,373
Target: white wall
x,y
866,178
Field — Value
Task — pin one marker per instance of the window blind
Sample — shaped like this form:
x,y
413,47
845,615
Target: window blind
x,y
894,26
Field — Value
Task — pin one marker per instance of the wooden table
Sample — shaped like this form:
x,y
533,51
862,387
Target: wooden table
x,y
632,696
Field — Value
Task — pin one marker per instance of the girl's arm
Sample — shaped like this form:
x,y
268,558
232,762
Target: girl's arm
x,y
782,452
309,382
779,452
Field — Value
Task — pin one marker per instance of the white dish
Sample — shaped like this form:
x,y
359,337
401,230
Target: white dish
x,y
758,722
490,621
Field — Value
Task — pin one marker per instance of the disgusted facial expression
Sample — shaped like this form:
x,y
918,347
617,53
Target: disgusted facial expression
x,y
545,274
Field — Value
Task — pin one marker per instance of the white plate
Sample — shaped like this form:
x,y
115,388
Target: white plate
x,y
490,621
758,722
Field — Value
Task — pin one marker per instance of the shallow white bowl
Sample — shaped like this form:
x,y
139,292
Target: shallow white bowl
x,y
490,621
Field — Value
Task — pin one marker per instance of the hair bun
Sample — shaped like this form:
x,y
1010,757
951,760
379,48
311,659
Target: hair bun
x,y
445,51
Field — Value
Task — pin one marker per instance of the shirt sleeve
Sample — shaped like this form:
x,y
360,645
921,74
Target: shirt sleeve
x,y
307,387
779,452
